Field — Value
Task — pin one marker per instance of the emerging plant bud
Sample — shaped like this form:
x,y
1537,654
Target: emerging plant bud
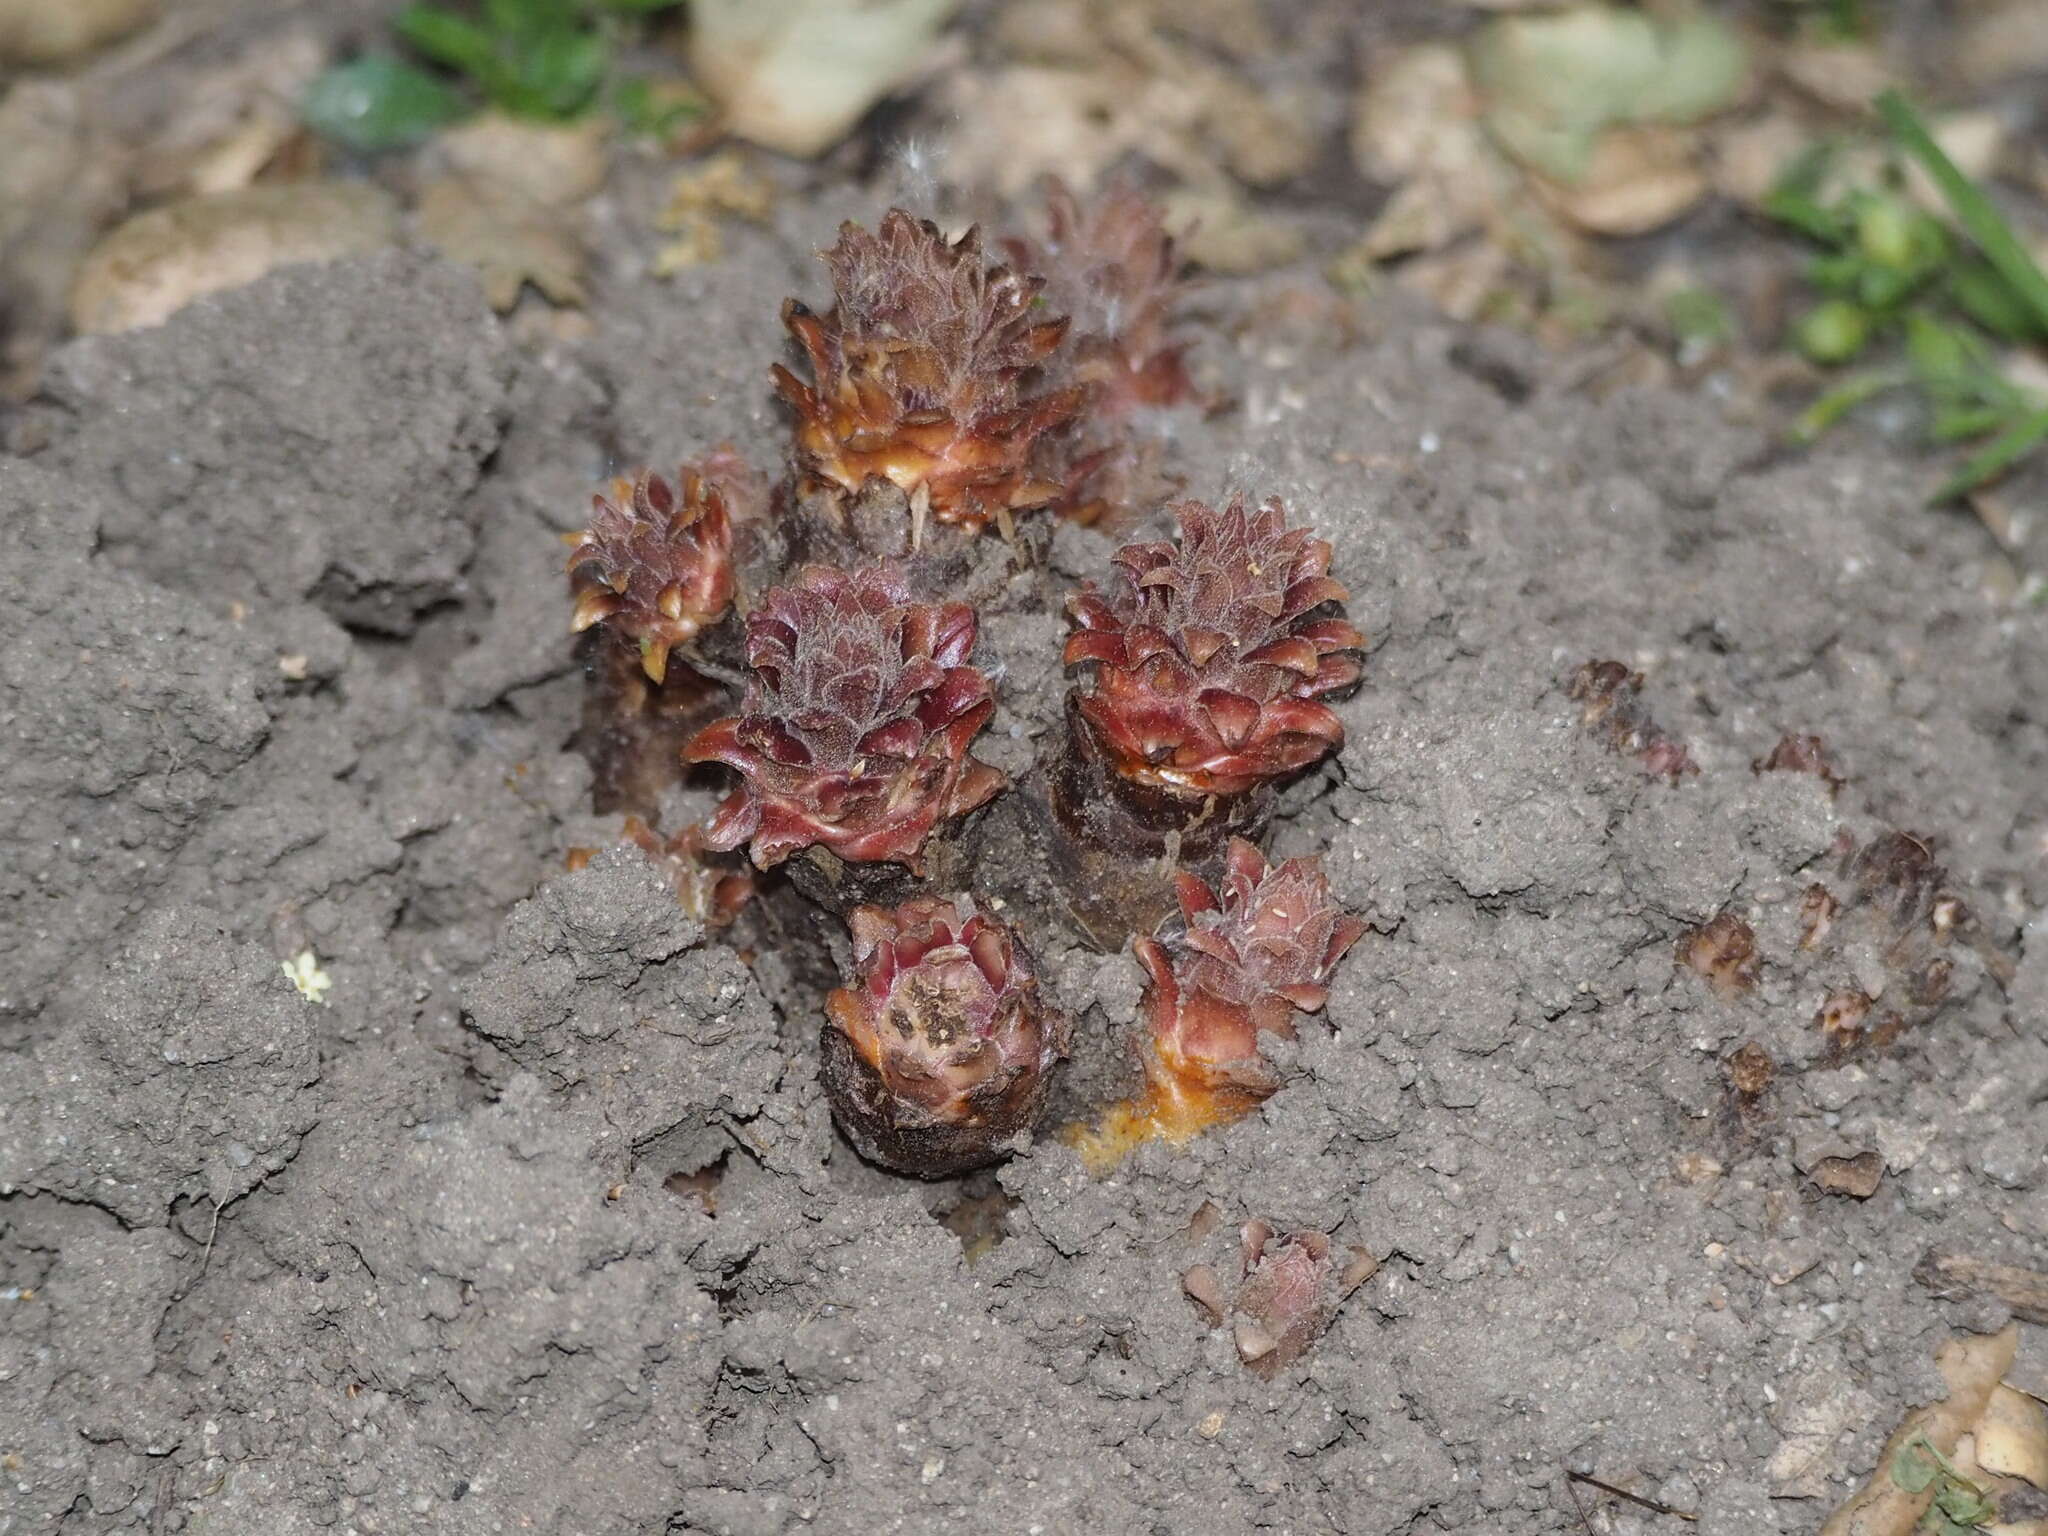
x,y
1114,269
709,891
920,374
655,564
1801,754
1817,909
940,1052
854,732
1111,265
1723,950
653,573
1290,1288
1208,661
1611,700
1258,949
1750,1072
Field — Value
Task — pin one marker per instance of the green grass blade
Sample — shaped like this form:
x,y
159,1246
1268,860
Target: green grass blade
x,y
1844,398
1995,457
1973,210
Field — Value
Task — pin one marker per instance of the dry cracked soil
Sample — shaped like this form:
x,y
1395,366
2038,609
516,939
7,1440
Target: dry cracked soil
x,y
536,1220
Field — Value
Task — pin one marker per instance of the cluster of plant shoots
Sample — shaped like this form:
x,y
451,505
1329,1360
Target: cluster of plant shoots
x,y
947,408
1943,298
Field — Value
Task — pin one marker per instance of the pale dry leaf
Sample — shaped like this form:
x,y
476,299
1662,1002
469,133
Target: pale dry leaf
x,y
1425,214
1415,122
554,164
699,197
2002,41
1217,229
1264,135
1091,84
1811,1416
1015,125
1748,158
157,262
1466,281
1409,99
796,75
2012,1437
61,180
1064,32
508,238
1551,83
1845,76
1637,180
233,122
1971,1365
44,33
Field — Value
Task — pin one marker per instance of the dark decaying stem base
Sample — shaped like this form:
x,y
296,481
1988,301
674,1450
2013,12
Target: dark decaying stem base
x,y
838,885
883,1130
833,528
1115,844
634,728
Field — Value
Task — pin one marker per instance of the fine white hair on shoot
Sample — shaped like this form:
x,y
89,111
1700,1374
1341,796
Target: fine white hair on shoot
x,y
914,164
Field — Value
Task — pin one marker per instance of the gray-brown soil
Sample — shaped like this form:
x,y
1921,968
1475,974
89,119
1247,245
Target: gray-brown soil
x,y
284,667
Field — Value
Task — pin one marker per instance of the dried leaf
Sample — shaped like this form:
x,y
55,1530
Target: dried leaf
x,y
159,261
554,164
60,181
2001,41
509,239
1971,1365
1552,83
796,75
42,33
1845,76
1635,180
1416,122
2012,1437
1220,231
233,122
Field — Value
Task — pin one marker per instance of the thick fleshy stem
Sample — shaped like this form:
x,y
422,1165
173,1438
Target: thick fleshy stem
x,y
1207,663
1259,947
938,1053
652,575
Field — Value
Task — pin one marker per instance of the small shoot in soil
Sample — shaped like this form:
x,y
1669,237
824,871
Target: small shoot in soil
x,y
1946,297
1959,1506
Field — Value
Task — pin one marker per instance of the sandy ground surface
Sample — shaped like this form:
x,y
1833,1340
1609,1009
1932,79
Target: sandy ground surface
x,y
285,668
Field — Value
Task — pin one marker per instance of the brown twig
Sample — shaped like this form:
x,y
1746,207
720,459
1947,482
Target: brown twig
x,y
1958,1274
1637,1499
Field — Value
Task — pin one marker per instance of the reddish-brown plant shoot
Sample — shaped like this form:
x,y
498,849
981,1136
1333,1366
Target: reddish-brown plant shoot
x,y
1801,754
924,374
1723,950
1209,658
939,1052
1259,948
854,731
1112,267
1611,701
655,564
1109,263
1289,1288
